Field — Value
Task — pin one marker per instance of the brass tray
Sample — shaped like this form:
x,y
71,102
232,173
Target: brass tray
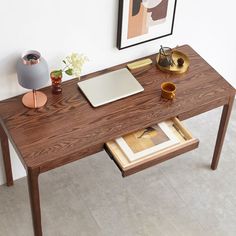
x,y
175,68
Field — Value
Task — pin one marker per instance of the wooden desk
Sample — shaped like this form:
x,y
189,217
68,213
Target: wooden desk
x,y
68,128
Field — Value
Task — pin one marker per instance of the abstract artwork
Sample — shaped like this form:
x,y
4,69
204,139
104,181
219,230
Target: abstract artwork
x,y
147,141
144,20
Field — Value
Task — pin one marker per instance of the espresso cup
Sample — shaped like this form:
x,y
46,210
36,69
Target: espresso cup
x,y
168,90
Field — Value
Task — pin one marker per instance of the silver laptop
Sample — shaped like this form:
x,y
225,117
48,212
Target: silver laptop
x,y
110,87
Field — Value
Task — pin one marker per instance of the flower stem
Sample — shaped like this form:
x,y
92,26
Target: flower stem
x,y
65,68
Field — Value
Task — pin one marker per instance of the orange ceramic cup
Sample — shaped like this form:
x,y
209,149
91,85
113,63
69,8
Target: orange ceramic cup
x,y
168,90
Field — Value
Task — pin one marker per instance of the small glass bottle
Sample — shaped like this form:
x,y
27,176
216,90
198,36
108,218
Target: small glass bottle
x,y
165,57
56,83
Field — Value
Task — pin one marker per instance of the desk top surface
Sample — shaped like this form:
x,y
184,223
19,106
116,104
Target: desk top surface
x,y
69,128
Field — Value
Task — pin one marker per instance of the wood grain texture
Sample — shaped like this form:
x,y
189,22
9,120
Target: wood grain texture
x,y
33,187
222,131
6,157
68,128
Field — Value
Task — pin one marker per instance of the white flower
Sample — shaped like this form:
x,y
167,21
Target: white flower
x,y
76,61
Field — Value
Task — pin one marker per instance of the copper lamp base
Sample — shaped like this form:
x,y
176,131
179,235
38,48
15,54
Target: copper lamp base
x,y
34,99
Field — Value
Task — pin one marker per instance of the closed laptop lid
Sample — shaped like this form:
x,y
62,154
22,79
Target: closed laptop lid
x,y
110,87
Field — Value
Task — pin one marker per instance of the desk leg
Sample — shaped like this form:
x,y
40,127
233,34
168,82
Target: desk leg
x,y
6,157
221,132
33,186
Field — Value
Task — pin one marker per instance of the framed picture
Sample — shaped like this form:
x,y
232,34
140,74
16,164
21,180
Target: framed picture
x,y
147,141
141,21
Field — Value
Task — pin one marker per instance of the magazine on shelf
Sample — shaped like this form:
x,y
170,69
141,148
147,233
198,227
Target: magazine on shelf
x,y
147,141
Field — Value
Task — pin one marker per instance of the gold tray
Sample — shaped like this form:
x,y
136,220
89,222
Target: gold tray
x,y
175,68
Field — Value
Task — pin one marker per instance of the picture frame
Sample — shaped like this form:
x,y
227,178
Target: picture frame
x,y
140,21
147,141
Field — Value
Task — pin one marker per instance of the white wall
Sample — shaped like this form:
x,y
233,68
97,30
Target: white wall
x,y
56,28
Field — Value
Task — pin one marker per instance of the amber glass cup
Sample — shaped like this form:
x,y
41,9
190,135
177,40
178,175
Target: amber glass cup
x,y
56,83
168,90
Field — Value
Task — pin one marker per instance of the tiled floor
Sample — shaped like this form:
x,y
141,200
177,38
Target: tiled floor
x,y
182,196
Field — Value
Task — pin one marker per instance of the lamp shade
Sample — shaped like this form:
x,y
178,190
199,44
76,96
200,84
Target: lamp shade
x,y
32,70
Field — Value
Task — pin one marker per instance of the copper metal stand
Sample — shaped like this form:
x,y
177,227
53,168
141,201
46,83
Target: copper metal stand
x,y
34,99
